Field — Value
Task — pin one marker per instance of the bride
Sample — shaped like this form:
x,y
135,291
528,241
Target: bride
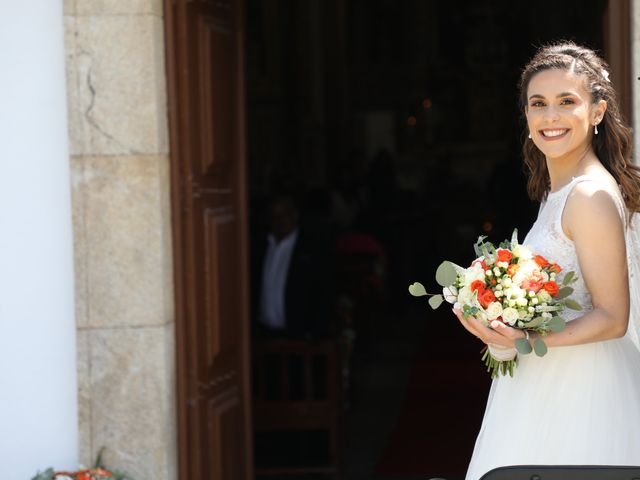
x,y
579,404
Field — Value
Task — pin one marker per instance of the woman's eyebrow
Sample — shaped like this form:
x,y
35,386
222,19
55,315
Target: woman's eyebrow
x,y
563,94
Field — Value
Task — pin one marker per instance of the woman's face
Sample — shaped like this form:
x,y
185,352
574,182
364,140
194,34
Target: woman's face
x,y
560,114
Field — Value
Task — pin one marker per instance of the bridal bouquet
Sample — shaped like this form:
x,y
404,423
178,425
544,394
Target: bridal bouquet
x,y
510,284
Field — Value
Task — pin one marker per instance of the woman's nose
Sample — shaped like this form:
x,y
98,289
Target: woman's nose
x,y
550,113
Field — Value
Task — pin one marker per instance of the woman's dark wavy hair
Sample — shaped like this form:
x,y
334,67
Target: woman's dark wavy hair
x,y
613,143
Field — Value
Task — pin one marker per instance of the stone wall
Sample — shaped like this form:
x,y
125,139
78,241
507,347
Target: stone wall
x,y
116,84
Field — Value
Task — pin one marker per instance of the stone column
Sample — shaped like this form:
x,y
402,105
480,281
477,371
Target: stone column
x,y
38,403
116,79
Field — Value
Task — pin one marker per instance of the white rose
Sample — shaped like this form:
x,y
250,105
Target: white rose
x,y
467,297
534,301
494,310
517,292
450,294
473,273
521,302
522,252
510,315
504,265
496,270
506,281
525,269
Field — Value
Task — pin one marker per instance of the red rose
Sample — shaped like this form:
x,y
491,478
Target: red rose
x,y
552,288
486,298
555,268
477,285
504,255
541,261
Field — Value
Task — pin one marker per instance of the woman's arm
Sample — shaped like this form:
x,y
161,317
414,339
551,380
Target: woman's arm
x,y
592,220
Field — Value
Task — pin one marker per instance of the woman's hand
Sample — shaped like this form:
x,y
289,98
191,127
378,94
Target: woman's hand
x,y
498,334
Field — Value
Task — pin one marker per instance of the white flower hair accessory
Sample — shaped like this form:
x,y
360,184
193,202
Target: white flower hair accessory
x,y
605,74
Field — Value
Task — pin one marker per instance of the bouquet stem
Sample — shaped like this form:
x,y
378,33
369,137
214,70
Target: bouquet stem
x,y
496,367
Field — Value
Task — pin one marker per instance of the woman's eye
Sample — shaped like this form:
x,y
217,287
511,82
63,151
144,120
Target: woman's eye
x,y
537,104
566,101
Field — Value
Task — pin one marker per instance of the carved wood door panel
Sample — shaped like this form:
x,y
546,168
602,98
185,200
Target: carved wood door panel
x,y
206,104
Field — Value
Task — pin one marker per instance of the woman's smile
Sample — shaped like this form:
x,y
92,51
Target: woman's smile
x,y
551,134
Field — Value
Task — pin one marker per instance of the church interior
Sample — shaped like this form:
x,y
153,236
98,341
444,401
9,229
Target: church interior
x,y
387,135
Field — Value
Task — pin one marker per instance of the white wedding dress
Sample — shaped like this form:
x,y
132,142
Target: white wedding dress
x,y
577,405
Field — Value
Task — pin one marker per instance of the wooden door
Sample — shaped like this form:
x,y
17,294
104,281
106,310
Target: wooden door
x,y
207,123
617,51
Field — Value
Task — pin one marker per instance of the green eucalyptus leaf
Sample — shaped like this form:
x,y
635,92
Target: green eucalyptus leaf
x,y
523,346
436,301
568,278
417,289
469,311
572,304
564,293
540,347
536,322
446,274
557,324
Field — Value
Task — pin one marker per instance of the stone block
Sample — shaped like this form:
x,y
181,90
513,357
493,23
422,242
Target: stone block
x,y
133,400
79,241
121,86
84,397
118,7
69,7
126,222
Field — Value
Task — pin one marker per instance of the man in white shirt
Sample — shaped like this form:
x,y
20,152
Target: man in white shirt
x,y
274,278
295,290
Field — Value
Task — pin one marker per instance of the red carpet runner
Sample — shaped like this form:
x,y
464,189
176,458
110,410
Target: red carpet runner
x,y
445,401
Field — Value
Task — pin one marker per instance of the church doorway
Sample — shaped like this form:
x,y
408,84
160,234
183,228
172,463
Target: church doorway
x,y
391,129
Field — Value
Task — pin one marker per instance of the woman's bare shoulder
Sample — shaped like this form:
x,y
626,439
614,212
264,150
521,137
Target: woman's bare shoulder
x,y
593,204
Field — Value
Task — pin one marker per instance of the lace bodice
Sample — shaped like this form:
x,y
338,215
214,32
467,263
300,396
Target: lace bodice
x,y
547,238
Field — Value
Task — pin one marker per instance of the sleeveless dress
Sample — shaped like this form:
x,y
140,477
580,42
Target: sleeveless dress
x,y
577,405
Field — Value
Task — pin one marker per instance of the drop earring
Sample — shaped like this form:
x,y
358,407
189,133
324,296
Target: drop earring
x,y
529,134
595,129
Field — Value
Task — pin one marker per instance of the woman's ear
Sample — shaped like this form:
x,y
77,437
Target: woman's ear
x,y
598,111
